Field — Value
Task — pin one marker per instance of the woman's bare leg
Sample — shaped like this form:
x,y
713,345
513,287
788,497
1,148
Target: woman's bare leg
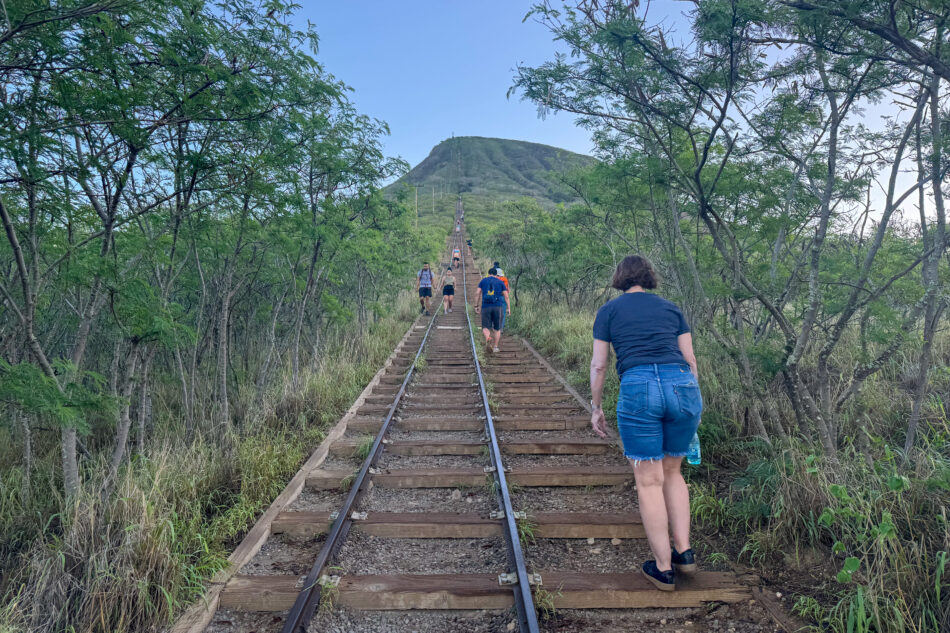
x,y
676,494
650,489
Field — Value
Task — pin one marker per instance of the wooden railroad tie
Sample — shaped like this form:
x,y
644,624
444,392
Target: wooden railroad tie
x,y
325,479
371,425
540,446
569,590
555,525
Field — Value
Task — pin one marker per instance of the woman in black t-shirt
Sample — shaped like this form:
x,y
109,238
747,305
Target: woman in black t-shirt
x,y
658,410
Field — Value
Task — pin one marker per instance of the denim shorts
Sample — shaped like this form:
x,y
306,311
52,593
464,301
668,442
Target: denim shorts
x,y
658,411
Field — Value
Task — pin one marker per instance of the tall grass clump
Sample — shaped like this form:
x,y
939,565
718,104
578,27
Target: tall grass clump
x,y
866,539
132,560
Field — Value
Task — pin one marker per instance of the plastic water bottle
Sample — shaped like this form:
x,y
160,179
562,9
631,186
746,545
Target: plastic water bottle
x,y
694,455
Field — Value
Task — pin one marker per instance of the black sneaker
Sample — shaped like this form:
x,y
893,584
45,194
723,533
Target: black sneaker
x,y
684,563
427,313
662,580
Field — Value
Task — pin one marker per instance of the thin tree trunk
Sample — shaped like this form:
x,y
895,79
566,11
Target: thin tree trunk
x,y
124,424
145,399
930,270
27,456
187,404
224,412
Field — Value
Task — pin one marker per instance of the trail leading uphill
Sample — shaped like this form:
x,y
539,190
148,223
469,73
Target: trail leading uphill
x,y
420,535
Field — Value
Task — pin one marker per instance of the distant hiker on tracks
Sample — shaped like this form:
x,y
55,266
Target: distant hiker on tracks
x,y
448,288
424,285
501,275
658,409
456,258
492,296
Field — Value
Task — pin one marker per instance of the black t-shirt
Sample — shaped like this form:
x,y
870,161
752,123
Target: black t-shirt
x,y
642,328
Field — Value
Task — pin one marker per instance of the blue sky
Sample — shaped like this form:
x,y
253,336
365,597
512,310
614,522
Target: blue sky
x,y
431,68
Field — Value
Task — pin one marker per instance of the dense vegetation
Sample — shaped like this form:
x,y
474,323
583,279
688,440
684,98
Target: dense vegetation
x,y
192,218
488,172
807,245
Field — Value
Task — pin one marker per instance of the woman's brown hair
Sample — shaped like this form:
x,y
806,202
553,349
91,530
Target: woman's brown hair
x,y
634,270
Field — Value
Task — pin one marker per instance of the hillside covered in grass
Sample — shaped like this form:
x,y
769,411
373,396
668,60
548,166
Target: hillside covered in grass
x,y
488,172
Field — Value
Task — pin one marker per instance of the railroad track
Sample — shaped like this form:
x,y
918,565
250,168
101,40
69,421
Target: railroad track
x,y
463,496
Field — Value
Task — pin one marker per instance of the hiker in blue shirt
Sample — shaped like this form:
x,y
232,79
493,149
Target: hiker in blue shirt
x,y
424,284
492,299
658,409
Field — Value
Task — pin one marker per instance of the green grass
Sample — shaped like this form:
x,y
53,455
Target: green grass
x,y
526,530
544,600
365,446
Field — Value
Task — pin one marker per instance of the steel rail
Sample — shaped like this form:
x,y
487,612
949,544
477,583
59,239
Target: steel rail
x,y
524,600
309,597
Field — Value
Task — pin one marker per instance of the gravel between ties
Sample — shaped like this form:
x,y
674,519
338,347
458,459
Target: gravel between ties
x,y
367,554
347,621
474,499
606,499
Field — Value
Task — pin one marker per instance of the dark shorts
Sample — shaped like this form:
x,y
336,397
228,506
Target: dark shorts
x,y
448,291
425,292
658,411
491,317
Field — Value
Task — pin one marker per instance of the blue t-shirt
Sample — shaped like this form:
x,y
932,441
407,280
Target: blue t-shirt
x,y
642,328
492,289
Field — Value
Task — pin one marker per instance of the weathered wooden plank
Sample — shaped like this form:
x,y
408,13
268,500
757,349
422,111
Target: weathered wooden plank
x,y
570,476
578,590
522,378
532,408
519,423
326,479
394,524
426,423
301,524
556,446
329,479
429,525
502,389
441,381
261,593
569,590
441,389
537,398
544,411
428,591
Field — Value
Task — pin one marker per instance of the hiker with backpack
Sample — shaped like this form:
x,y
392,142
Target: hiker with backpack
x,y
501,275
424,280
491,299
